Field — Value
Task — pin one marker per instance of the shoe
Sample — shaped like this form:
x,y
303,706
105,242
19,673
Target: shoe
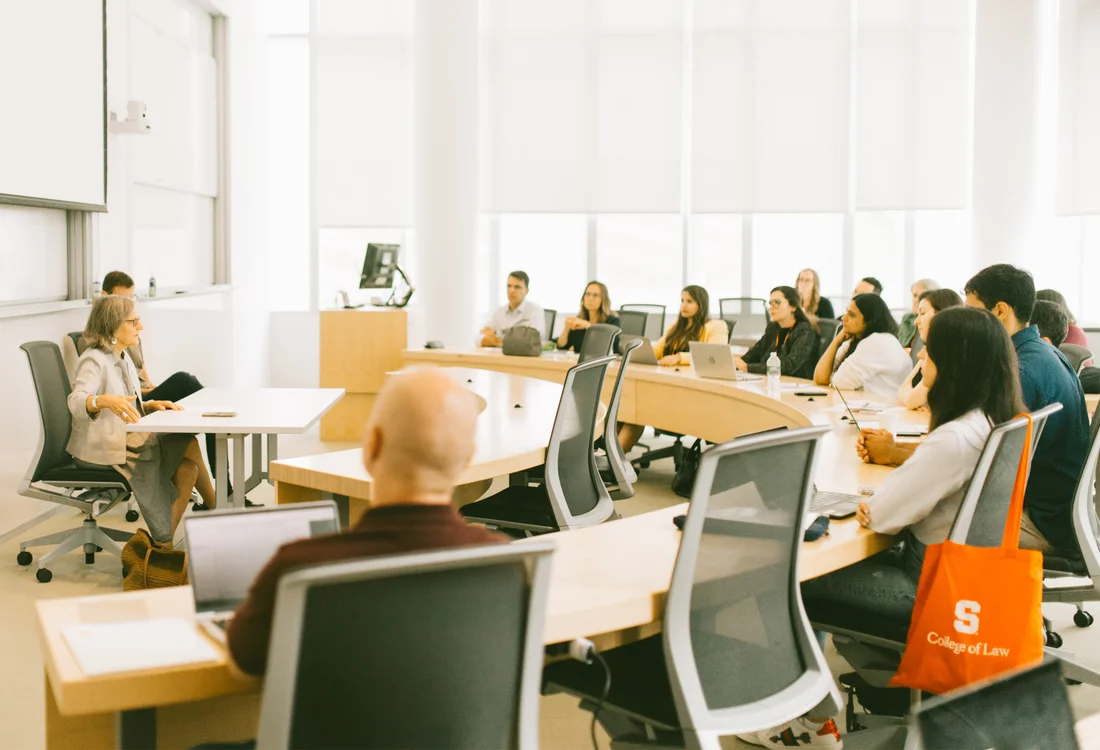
x,y
199,507
249,504
798,733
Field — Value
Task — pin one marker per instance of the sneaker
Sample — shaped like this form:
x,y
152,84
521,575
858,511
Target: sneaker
x,y
798,733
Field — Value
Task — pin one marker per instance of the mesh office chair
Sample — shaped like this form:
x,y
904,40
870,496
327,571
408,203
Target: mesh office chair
x,y
999,713
54,477
438,649
572,494
615,470
655,319
633,322
599,341
749,315
826,332
915,349
551,317
132,513
1078,356
873,644
737,654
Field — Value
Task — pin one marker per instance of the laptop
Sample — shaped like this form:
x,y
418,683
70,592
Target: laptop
x,y
716,361
643,355
226,549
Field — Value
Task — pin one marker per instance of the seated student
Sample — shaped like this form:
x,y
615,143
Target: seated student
x,y
907,328
867,285
865,353
913,394
1075,334
418,441
809,289
161,469
1051,320
518,311
790,332
595,308
693,324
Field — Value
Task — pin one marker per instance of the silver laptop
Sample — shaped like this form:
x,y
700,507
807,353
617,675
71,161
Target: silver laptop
x,y
226,549
716,361
643,355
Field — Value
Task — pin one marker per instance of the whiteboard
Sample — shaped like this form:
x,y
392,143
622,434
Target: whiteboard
x,y
53,133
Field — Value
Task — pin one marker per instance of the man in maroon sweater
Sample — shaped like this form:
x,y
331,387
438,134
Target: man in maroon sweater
x,y
418,441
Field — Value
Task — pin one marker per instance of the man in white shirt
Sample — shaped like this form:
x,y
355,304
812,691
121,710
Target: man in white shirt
x,y
518,311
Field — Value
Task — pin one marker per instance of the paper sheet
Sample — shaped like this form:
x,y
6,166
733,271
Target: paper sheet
x,y
112,647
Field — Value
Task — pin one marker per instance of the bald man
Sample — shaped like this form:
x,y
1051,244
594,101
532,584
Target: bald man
x,y
419,440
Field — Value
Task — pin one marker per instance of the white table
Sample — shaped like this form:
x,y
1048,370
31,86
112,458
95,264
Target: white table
x,y
260,411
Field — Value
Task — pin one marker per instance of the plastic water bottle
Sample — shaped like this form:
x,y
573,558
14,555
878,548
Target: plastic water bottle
x,y
152,285
773,385
97,290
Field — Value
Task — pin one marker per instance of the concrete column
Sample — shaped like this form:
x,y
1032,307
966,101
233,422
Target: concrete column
x,y
1007,86
446,99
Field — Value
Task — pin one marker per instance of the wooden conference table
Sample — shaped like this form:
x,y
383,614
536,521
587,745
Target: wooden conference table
x,y
608,581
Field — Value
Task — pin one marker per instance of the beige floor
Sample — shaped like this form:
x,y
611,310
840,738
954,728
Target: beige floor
x,y
562,724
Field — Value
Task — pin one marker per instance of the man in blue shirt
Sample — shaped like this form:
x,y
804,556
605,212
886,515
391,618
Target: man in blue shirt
x,y
1045,377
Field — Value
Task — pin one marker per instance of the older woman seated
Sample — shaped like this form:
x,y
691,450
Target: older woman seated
x,y
162,469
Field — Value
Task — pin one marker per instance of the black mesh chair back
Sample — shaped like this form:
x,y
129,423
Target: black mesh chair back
x,y
633,322
440,649
915,349
741,653
51,385
1077,356
75,337
1004,713
826,332
576,491
551,317
599,341
749,314
655,319
980,521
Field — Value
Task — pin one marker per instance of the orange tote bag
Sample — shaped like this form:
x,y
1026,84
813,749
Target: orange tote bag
x,y
978,609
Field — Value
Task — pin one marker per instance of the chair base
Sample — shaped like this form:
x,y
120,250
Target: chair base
x,y
90,536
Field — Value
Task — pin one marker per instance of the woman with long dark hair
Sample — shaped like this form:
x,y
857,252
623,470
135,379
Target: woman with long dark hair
x,y
913,393
865,355
595,308
692,324
791,333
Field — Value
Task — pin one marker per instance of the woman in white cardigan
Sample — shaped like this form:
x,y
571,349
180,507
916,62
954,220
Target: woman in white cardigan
x,y
865,355
161,469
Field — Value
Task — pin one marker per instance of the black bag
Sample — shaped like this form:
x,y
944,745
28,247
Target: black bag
x,y
684,481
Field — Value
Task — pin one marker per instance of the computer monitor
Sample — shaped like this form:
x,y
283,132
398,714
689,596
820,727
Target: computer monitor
x,y
379,266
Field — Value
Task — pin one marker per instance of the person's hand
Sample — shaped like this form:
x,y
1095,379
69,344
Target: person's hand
x,y
163,406
670,359
487,333
740,364
841,335
121,406
875,446
863,515
580,325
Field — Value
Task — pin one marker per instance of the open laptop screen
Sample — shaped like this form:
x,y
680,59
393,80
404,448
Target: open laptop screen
x,y
225,551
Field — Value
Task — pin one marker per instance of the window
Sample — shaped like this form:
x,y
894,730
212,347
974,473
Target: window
x,y
942,248
553,250
288,234
880,252
1088,311
42,232
640,258
173,238
784,244
715,258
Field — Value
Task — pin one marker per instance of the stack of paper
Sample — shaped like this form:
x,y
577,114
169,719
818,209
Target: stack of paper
x,y
111,647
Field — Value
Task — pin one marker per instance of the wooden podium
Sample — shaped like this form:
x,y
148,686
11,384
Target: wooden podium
x,y
358,348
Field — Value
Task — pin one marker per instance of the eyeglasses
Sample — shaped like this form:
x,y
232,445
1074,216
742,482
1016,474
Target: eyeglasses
x,y
774,303
135,322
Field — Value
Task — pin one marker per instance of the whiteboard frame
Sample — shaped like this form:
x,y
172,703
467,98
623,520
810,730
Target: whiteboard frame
x,y
26,200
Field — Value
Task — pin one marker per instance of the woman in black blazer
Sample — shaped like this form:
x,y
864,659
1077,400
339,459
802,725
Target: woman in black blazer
x,y
595,308
790,332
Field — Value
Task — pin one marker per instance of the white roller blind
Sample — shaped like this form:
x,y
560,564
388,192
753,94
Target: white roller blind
x,y
770,106
364,95
1078,189
581,105
913,63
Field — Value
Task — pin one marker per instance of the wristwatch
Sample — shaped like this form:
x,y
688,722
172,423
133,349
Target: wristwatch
x,y
95,406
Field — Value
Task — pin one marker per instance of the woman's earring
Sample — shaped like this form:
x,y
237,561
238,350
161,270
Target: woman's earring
x,y
114,341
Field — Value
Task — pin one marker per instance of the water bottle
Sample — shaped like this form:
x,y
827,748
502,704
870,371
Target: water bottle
x,y
773,385
152,285
97,290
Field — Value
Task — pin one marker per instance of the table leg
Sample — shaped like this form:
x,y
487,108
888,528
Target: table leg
x,y
137,729
221,462
239,482
256,475
272,453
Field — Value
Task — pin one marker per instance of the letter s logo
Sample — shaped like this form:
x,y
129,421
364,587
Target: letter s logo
x,y
967,614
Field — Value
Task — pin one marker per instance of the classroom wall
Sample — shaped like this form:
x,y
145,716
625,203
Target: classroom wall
x,y
221,338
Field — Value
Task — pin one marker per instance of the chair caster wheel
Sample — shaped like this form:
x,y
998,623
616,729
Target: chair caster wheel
x,y
1082,619
98,548
43,575
1054,640
89,558
132,515
643,464
24,558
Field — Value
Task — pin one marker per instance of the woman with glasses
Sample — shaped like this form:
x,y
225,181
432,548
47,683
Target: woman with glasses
x,y
595,308
161,469
791,333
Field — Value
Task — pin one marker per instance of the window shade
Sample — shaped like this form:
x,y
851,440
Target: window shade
x,y
1078,188
581,105
770,106
913,72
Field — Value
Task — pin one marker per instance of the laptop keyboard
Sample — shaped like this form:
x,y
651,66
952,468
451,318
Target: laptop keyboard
x,y
825,500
